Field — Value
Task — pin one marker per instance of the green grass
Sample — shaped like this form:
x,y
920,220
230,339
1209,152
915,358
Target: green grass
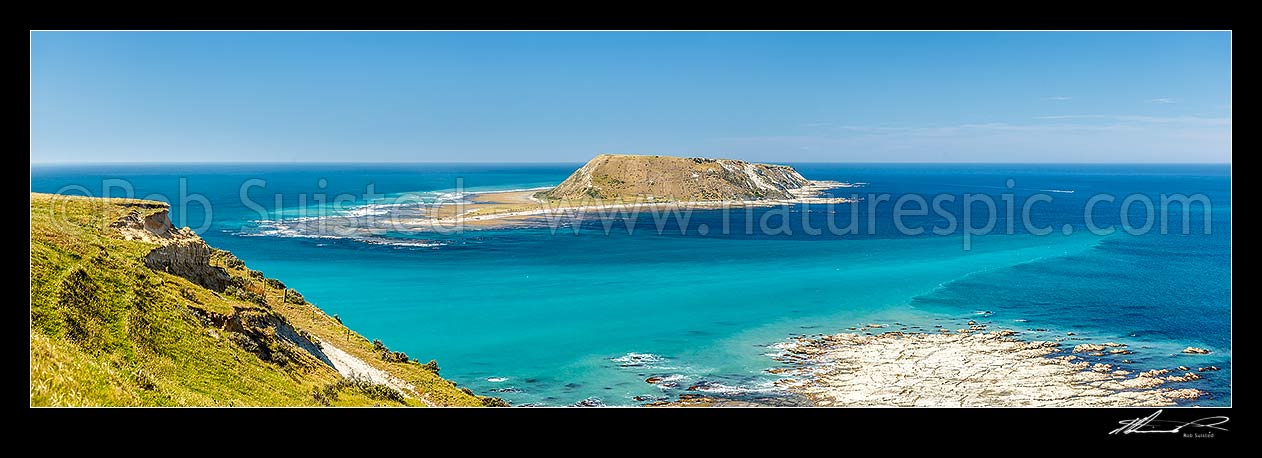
x,y
108,331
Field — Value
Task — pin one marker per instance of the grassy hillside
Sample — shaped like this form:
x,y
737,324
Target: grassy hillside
x,y
108,331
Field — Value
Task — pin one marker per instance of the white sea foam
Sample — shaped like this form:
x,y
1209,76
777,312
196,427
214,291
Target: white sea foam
x,y
1065,191
719,388
293,229
296,219
493,191
403,243
782,346
670,381
497,379
287,232
634,359
369,210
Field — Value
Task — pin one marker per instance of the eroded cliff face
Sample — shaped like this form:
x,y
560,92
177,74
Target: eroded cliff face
x,y
677,178
189,259
180,251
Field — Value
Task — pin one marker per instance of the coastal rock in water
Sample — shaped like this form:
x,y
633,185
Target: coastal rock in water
x,y
1114,344
1088,348
1154,372
703,385
653,380
1183,378
687,400
1182,368
1196,351
590,402
1184,393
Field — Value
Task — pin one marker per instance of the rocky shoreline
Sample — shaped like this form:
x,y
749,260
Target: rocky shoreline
x,y
971,367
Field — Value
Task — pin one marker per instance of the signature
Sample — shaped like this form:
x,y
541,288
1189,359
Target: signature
x,y
1151,424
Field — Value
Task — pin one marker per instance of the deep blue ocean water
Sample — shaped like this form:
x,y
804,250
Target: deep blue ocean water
x,y
551,317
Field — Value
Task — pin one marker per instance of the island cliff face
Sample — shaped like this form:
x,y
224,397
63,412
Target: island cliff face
x,y
610,176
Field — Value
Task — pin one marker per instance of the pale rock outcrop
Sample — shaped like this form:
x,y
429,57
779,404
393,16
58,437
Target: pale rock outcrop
x,y
1088,348
179,252
1187,377
964,369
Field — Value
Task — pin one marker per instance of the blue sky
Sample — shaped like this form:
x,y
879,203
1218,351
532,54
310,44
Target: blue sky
x,y
566,96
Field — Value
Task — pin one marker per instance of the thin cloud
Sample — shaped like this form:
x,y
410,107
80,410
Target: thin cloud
x,y
957,129
1144,119
1059,98
1059,117
1163,100
1078,124
1063,138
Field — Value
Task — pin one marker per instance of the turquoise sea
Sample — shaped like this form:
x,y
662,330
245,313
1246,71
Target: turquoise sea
x,y
556,317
